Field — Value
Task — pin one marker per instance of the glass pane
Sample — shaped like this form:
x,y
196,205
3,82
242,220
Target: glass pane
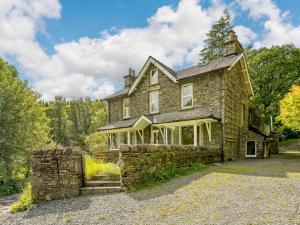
x,y
154,77
250,147
187,90
154,102
187,135
123,138
169,136
187,101
176,136
154,96
114,141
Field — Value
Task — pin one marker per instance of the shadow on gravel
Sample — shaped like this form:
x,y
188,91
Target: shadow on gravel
x,y
58,207
284,165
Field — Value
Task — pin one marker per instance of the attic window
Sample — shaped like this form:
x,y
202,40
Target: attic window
x,y
153,77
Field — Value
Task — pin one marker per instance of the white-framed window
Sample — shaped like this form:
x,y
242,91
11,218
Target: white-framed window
x,y
154,101
186,96
251,148
116,139
154,76
126,108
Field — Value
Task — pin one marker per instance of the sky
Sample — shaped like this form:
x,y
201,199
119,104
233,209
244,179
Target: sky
x,y
84,48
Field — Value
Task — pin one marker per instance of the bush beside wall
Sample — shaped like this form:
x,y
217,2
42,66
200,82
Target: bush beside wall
x,y
141,161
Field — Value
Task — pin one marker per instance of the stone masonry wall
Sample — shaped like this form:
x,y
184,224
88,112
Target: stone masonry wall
x,y
56,174
247,135
111,156
206,90
138,161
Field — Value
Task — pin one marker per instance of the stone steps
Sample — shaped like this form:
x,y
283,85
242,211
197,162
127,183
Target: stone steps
x,y
97,183
102,184
104,177
100,190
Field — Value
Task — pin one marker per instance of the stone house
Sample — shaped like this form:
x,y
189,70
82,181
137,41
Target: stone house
x,y
203,105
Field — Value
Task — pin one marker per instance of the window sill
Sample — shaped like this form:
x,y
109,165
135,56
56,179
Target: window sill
x,y
186,108
153,113
250,156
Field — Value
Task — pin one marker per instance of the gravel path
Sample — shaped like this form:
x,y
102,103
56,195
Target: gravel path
x,y
242,192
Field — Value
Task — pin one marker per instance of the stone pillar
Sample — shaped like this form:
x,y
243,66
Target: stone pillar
x,y
56,174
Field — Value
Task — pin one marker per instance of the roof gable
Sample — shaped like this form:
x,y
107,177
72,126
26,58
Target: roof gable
x,y
245,71
163,68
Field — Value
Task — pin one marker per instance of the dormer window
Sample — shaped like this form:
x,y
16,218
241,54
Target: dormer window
x,y
154,77
187,96
126,108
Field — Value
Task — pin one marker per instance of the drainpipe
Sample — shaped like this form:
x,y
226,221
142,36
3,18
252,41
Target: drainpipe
x,y
222,103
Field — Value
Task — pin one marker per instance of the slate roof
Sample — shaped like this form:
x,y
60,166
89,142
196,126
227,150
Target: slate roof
x,y
213,65
118,93
174,73
119,124
184,115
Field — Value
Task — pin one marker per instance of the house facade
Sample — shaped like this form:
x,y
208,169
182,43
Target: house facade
x,y
203,105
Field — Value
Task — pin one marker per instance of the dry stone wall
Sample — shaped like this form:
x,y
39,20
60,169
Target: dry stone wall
x,y
111,156
56,174
137,161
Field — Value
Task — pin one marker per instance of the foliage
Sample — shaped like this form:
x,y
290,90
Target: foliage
x,y
216,38
97,142
23,123
10,186
289,141
169,172
25,201
94,167
290,109
72,121
273,72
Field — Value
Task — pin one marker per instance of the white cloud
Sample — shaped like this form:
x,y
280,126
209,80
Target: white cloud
x,y
278,29
92,67
245,34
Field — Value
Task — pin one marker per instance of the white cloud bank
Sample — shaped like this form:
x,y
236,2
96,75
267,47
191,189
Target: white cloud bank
x,y
93,67
278,29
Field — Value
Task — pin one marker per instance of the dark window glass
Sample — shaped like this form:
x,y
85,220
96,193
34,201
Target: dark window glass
x,y
251,148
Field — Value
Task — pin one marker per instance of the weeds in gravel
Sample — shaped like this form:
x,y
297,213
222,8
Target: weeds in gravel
x,y
94,167
24,202
161,176
68,219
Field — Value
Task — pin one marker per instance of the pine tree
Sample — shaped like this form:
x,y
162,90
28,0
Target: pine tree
x,y
216,39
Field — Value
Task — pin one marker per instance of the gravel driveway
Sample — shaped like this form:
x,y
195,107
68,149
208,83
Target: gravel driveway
x,y
242,192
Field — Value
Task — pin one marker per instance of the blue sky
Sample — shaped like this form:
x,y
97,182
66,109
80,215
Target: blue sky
x,y
83,48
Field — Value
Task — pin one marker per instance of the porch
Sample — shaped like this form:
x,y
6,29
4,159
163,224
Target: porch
x,y
197,132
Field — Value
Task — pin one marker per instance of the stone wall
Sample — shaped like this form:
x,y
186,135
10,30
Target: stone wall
x,y
111,156
206,90
137,161
247,135
56,174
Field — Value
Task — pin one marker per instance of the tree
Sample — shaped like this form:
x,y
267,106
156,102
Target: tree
x,y
273,71
97,142
216,38
59,123
23,122
290,109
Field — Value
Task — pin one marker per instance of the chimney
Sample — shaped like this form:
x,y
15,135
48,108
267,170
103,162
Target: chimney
x,y
129,79
232,46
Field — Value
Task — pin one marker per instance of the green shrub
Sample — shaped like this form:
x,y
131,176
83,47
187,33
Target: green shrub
x,y
169,172
24,202
94,167
10,186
